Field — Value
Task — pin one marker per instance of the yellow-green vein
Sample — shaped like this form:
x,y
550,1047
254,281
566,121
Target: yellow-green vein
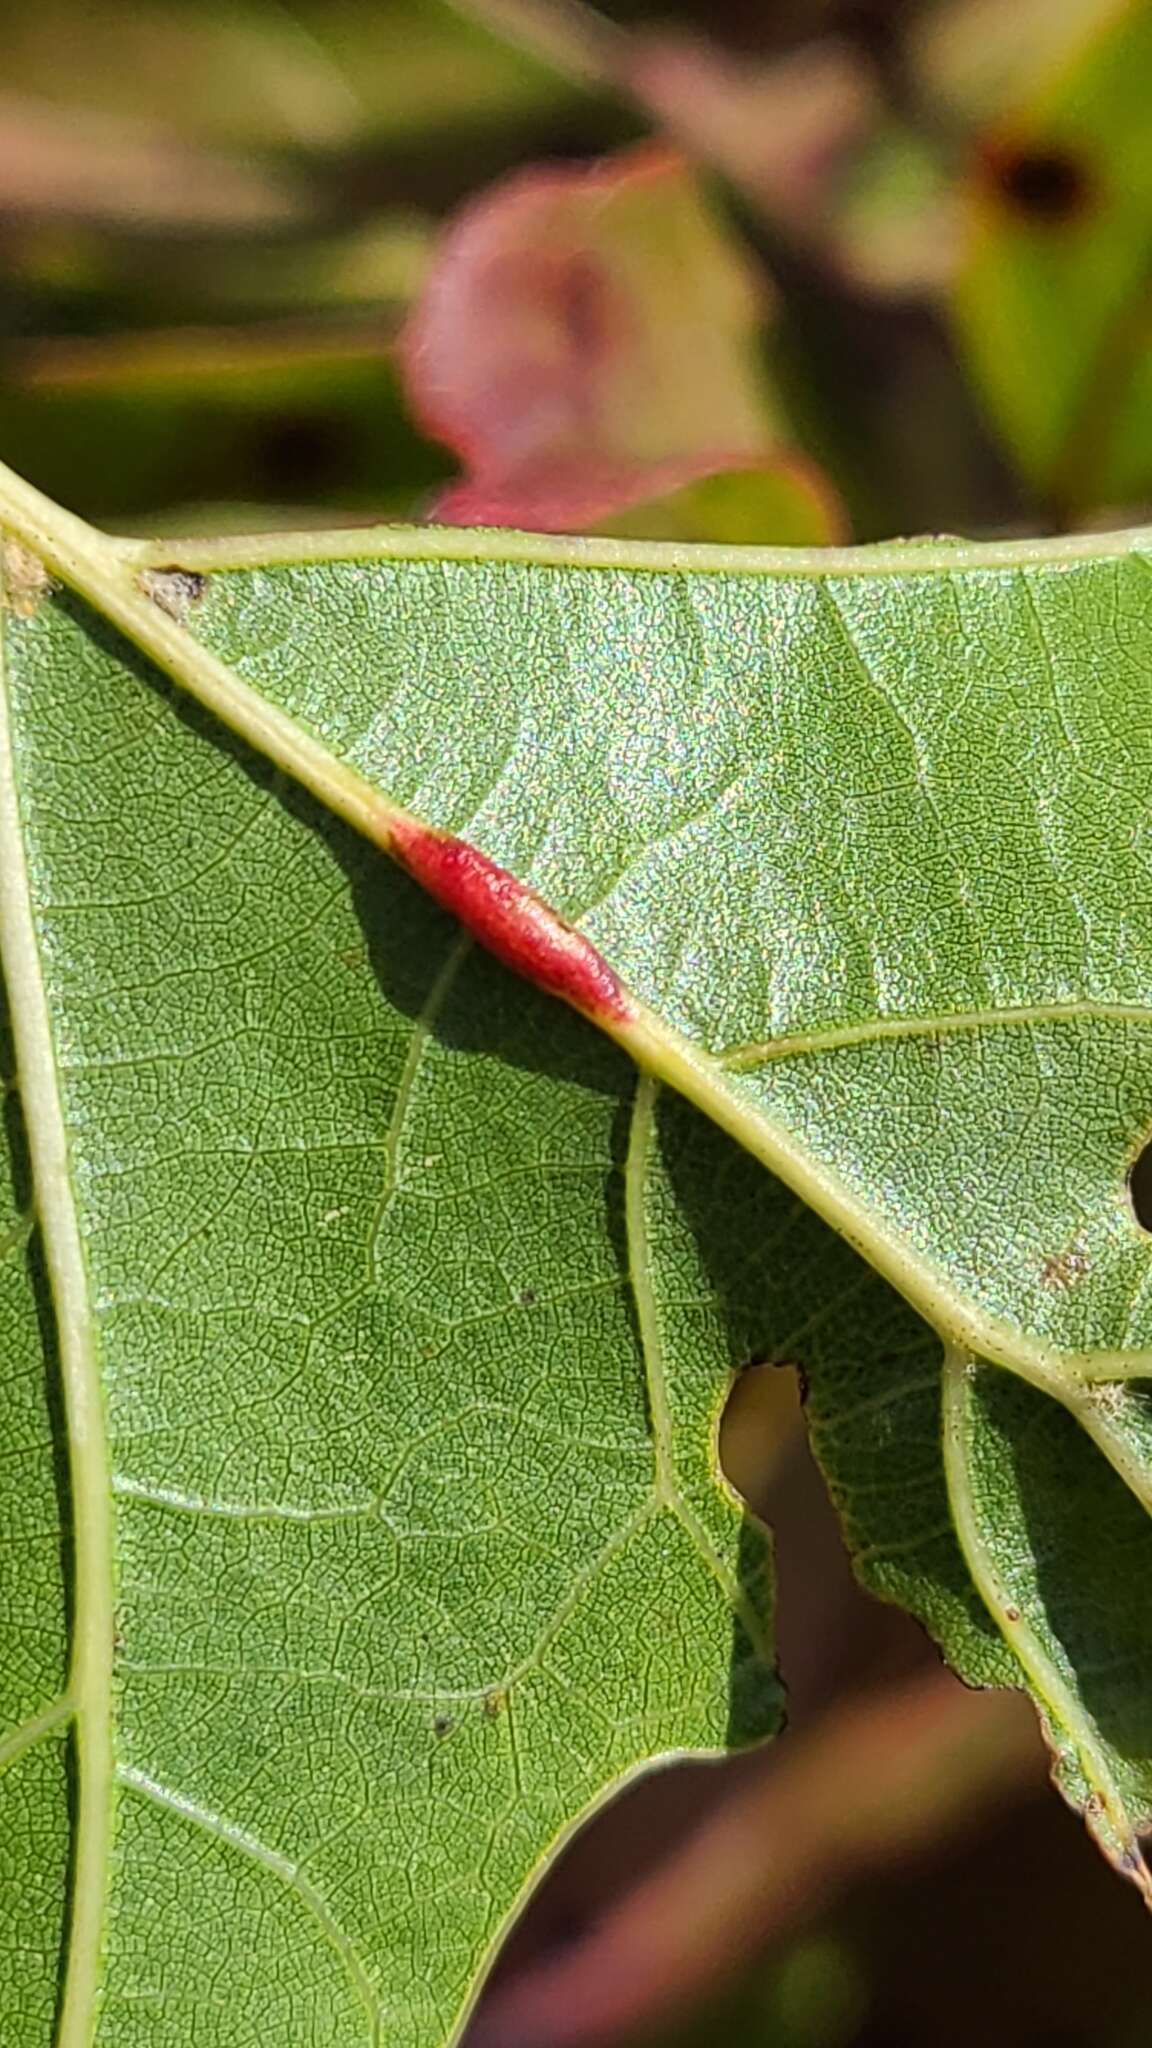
x,y
666,1485
18,1741
739,1059
90,1680
1112,1823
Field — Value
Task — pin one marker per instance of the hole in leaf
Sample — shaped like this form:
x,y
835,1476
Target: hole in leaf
x,y
1049,186
1140,1187
758,1424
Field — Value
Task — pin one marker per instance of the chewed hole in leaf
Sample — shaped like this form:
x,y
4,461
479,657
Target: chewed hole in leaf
x,y
760,1418
1140,1187
1049,186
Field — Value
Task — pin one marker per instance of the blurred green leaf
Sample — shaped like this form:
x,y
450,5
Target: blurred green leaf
x,y
894,228
1052,303
286,414
305,74
785,500
973,60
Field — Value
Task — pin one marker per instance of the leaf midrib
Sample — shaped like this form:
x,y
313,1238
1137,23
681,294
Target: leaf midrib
x,y
106,572
89,1691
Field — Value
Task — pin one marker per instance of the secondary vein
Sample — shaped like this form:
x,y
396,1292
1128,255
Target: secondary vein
x,y
792,1045
666,1486
280,1866
90,1681
422,1030
1043,1674
640,1272
19,1740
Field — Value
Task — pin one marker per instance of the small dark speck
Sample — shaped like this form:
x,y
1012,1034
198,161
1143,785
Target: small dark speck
x,y
1048,186
442,1725
528,1297
1012,1614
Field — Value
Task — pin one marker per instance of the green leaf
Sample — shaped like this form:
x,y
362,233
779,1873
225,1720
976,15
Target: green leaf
x,y
786,822
316,75
1051,300
395,1313
129,413
464,1561
33,1624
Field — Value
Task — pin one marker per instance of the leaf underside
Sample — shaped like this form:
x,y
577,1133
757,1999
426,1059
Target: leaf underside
x,y
413,1307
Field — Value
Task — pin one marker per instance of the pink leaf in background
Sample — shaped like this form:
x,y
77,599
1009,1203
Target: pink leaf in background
x,y
589,343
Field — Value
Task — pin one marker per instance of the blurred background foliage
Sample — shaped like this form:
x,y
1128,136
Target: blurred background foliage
x,y
733,270
897,282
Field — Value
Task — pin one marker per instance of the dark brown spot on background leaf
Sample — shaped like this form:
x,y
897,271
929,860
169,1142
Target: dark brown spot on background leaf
x,y
1048,186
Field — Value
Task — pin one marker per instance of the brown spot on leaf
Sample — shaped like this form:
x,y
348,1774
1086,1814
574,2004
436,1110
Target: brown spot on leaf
x,y
25,580
1065,1268
1110,1397
174,590
1049,187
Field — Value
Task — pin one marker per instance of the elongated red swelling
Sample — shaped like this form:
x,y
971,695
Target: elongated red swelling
x,y
511,921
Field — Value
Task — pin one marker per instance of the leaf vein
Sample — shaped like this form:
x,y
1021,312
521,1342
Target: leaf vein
x,y
280,1866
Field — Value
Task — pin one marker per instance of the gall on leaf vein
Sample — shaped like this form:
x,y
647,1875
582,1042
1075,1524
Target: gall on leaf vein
x,y
510,920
